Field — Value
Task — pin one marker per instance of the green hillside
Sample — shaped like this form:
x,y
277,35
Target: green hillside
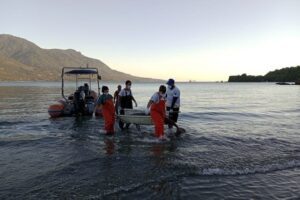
x,y
288,74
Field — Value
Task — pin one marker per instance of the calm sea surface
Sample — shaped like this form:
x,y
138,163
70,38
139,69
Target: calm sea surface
x,y
242,142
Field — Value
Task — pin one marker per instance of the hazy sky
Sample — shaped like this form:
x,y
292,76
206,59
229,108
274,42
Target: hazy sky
x,y
204,40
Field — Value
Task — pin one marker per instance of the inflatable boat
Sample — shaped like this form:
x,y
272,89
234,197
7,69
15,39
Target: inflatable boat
x,y
82,102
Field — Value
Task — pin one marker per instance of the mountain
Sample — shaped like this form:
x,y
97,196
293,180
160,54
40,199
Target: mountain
x,y
288,74
22,60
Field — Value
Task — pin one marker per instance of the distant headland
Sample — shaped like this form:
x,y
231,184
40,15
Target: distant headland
x,y
288,74
22,60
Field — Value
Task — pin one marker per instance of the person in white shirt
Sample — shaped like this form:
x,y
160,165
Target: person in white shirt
x,y
157,109
173,101
157,106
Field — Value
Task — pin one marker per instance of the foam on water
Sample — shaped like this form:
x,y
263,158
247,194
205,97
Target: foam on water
x,y
257,169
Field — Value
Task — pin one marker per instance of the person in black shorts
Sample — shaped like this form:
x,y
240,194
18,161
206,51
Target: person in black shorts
x,y
173,102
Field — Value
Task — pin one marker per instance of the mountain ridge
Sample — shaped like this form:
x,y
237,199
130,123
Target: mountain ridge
x,y
23,60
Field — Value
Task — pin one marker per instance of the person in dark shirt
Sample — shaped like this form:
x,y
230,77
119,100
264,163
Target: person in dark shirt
x,y
116,98
125,100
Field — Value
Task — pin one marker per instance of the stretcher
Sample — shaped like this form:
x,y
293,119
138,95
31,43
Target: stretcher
x,y
138,118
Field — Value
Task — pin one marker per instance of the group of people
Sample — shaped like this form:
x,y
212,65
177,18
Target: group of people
x,y
163,106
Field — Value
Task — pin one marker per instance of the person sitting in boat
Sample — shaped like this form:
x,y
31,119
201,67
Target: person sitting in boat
x,y
157,108
125,100
116,98
106,104
86,89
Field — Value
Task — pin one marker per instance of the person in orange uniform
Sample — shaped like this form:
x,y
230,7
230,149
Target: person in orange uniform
x,y
106,103
158,111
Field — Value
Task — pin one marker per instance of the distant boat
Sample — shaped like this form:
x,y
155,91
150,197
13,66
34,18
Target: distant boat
x,y
283,83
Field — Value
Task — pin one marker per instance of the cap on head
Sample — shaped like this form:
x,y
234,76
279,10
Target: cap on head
x,y
171,82
104,88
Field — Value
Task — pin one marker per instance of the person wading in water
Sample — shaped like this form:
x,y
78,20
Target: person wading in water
x,y
116,98
173,102
125,100
105,101
157,106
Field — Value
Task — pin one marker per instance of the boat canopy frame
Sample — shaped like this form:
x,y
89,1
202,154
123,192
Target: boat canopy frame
x,y
77,72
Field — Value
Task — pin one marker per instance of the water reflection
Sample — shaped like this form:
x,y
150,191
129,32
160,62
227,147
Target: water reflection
x,y
109,146
158,149
231,131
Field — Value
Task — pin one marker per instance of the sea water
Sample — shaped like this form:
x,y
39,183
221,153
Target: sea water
x,y
242,141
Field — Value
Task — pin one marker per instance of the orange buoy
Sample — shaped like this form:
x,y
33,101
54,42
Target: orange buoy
x,y
56,110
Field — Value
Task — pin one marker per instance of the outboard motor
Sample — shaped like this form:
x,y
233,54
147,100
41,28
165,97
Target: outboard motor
x,y
79,106
90,105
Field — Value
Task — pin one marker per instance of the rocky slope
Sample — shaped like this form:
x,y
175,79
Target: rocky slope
x,y
22,60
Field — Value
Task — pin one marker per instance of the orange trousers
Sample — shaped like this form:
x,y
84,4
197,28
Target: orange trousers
x,y
158,120
158,114
108,111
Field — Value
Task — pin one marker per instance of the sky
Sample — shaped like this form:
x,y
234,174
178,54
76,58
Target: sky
x,y
201,40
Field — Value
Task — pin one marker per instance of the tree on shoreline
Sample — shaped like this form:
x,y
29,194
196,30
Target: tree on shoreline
x,y
288,74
